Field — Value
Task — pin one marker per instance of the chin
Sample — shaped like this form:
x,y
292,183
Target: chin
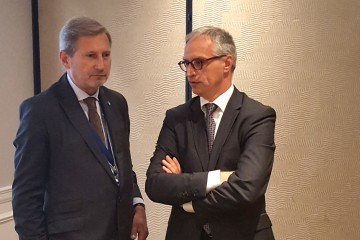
x,y
196,91
100,81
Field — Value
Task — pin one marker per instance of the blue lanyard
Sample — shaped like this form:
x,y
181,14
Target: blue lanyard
x,y
104,150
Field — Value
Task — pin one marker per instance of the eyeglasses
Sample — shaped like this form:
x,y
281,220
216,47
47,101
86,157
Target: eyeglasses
x,y
196,63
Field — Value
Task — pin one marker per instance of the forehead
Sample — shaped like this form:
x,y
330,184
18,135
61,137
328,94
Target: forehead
x,y
98,42
200,46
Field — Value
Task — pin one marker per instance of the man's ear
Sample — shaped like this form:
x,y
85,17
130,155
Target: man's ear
x,y
228,63
64,59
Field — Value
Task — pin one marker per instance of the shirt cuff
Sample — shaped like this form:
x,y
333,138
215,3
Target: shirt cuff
x,y
213,180
137,200
188,207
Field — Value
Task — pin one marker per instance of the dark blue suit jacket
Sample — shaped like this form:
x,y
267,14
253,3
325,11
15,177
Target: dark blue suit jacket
x,y
63,186
244,143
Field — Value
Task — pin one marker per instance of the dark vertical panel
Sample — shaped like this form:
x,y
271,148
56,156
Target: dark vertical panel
x,y
36,46
188,90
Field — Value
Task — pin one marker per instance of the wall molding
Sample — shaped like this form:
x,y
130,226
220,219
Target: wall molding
x,y
6,213
6,217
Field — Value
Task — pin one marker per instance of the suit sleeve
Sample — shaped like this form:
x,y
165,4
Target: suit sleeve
x,y
249,181
172,189
125,111
136,189
31,161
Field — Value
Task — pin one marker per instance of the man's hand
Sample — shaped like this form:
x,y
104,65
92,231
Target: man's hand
x,y
171,165
139,227
224,176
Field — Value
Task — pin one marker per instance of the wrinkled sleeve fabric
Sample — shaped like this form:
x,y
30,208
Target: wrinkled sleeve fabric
x,y
172,189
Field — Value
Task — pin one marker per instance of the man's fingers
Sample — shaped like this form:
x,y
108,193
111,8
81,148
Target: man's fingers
x,y
166,169
176,162
171,165
133,233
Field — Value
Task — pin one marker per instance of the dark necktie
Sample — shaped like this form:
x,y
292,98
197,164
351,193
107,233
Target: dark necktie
x,y
210,127
94,117
210,123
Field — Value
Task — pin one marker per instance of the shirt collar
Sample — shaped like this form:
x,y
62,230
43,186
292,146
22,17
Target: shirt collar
x,y
80,94
220,101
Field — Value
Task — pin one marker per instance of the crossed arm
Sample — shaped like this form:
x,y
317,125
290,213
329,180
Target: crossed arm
x,y
172,166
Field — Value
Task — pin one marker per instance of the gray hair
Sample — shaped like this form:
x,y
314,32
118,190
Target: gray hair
x,y
223,41
78,27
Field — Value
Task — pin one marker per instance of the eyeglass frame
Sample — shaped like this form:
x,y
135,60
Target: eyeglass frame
x,y
202,61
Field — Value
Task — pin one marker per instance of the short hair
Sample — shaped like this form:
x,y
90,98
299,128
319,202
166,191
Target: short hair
x,y
78,27
223,41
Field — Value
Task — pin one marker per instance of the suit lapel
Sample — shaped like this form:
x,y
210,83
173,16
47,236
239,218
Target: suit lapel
x,y
199,133
231,112
70,105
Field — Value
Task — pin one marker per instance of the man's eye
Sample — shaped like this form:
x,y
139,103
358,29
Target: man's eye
x,y
197,62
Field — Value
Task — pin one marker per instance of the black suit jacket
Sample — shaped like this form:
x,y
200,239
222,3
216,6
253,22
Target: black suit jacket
x,y
244,143
63,186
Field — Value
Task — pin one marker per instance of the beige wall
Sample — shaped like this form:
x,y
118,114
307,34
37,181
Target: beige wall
x,y
301,57
17,78
16,85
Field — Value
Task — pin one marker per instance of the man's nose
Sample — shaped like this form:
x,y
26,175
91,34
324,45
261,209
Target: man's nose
x,y
190,71
100,63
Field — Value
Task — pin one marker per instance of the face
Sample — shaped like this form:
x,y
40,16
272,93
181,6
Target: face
x,y
90,65
215,76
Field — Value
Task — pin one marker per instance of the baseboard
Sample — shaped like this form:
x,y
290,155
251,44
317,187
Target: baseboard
x,y
6,213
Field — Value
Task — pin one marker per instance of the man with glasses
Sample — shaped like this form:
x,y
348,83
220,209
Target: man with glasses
x,y
214,154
